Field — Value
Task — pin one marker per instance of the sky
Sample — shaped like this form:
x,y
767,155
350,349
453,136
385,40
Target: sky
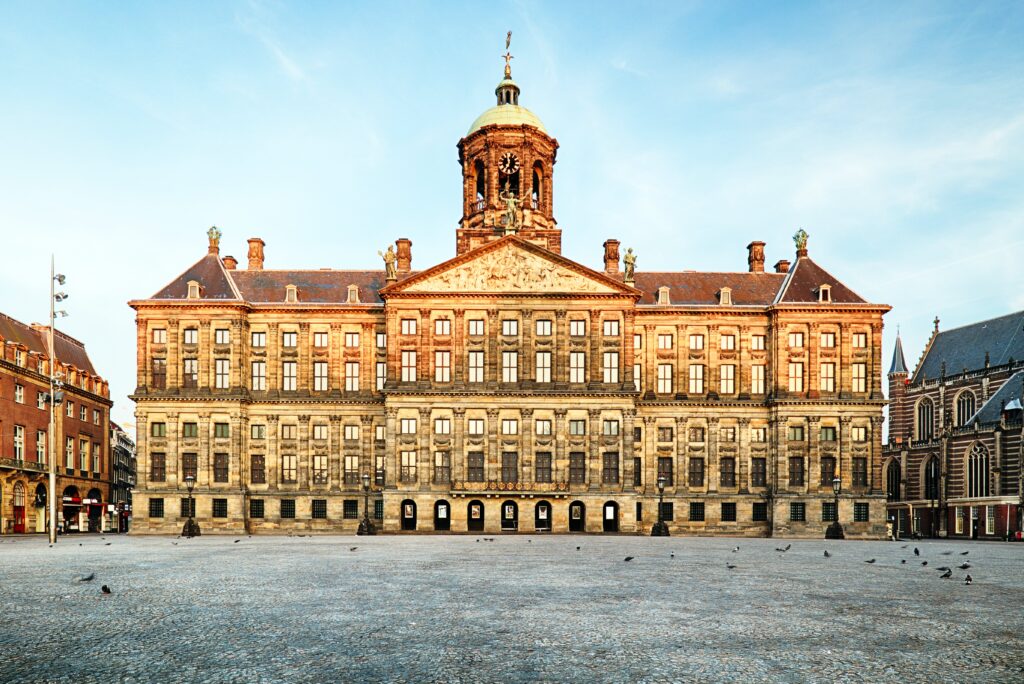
x,y
893,133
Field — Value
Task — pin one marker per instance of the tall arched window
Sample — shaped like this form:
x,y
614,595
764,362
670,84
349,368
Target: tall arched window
x,y
481,183
536,194
892,481
977,471
925,419
931,479
964,407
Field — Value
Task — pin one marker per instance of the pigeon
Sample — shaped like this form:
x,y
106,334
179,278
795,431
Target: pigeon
x,y
730,566
946,553
924,562
788,546
828,555
916,551
964,566
88,578
947,574
529,541
672,555
577,548
107,544
478,541
968,580
903,562
905,546
964,553
79,544
870,561
628,558
174,543
735,549
352,548
105,589
237,540
781,550
943,568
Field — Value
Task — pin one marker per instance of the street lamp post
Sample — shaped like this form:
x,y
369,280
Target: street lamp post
x,y
56,396
835,530
660,528
191,526
366,525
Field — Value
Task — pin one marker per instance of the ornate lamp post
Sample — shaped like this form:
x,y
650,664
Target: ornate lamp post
x,y
191,526
366,525
835,530
660,529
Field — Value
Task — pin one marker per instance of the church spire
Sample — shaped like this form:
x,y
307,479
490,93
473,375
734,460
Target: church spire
x,y
899,364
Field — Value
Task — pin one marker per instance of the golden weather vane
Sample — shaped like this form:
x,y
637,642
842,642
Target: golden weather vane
x,y
508,56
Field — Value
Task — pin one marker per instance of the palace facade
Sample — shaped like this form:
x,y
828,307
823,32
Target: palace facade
x,y
509,388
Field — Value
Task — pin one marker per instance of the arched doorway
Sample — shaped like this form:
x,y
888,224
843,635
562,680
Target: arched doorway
x,y
408,515
509,516
95,510
542,516
40,505
19,507
71,506
577,517
442,516
610,516
475,516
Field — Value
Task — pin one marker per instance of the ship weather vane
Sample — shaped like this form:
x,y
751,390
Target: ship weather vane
x,y
508,56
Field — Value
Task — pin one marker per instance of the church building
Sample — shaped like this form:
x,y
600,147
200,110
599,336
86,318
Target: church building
x,y
509,388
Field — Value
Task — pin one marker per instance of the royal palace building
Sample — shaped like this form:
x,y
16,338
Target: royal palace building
x,y
509,388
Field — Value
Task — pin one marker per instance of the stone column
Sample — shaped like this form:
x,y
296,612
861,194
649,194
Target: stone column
x,y
560,350
526,446
304,449
743,455
628,353
628,450
425,458
682,482
204,466
173,354
811,376
304,381
366,464
650,455
526,355
458,461
424,359
812,469
238,360
680,382
492,459
394,360
273,357
712,476
459,350
844,454
390,446
875,456
492,362
875,366
594,432
367,356
595,376
272,463
239,449
560,465
336,452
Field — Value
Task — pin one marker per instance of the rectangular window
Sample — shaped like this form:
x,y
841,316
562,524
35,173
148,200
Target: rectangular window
x,y
795,433
610,367
727,342
288,431
696,472
509,466
728,511
543,463
476,327
258,468
543,428
665,378
577,328
191,336
380,432
638,341
382,340
696,378
257,508
665,470
611,328
475,427
378,509
350,509
476,366
543,367
159,373
320,431
381,374
288,508
157,467
827,377
69,453
158,429
221,430
190,430
320,340
860,377
156,508
257,431
828,511
259,376
259,339
664,341
696,342
289,340
727,379
442,366
860,512
796,377
159,336
638,470
727,469
289,375
407,426
577,467
442,426
610,468
611,428
798,511
351,376
83,414
289,472
577,427
83,448
758,472
320,376
668,511
351,433
40,446
696,434
19,393
796,340
189,464
190,373
220,467
636,376
697,511
352,340
510,327
860,472
759,512
222,336
828,433
828,471
665,433
859,433
510,366
220,508
351,470
757,342
859,340
408,365
577,367
796,471
828,340
69,409
95,417
408,471
41,400
475,466
408,326
727,434
759,435
509,426
990,517
543,328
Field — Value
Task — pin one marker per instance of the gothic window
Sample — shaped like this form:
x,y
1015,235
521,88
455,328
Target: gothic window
x,y
931,479
964,407
977,472
892,481
925,419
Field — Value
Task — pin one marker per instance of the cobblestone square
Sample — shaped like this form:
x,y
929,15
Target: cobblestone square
x,y
518,608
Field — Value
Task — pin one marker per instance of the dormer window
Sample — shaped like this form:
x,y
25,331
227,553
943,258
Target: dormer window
x,y
824,293
353,294
663,297
725,296
291,294
193,289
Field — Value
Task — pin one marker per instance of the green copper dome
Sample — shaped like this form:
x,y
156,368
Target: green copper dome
x,y
507,112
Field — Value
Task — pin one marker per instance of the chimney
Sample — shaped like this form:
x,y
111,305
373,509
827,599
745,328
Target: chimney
x,y
782,266
256,254
755,256
230,263
611,257
404,247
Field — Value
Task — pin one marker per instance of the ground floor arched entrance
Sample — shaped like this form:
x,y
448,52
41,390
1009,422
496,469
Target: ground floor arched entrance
x,y
475,516
39,503
19,507
408,514
610,517
577,517
509,516
442,516
542,516
71,508
94,510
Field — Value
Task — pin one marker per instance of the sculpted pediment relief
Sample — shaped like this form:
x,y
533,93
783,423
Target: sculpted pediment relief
x,y
510,269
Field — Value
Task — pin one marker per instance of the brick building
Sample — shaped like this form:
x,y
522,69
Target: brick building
x,y
509,388
82,423
953,457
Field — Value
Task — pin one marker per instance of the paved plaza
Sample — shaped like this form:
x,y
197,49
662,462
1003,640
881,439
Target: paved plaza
x,y
309,609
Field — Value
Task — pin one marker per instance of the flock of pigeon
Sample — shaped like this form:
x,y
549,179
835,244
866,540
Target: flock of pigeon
x,y
947,572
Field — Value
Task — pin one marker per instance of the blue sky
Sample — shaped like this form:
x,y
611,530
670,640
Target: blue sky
x,y
892,132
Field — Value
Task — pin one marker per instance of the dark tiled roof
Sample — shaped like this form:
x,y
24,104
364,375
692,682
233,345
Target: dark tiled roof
x,y
321,287
806,277
991,410
209,273
959,348
68,349
702,288
899,364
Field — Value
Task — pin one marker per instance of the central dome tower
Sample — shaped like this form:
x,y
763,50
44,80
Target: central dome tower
x,y
507,160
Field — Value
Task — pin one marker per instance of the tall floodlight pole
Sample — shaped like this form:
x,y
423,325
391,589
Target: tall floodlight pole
x,y
55,384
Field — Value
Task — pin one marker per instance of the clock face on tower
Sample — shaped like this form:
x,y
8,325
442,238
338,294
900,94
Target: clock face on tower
x,y
508,164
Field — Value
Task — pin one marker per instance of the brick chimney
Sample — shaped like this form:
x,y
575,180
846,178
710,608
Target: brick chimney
x,y
782,266
611,257
755,256
230,263
256,254
404,248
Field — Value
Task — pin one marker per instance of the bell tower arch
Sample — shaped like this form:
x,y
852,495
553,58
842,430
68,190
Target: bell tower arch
x,y
508,161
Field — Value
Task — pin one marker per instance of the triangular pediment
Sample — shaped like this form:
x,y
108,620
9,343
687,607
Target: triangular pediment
x,y
514,266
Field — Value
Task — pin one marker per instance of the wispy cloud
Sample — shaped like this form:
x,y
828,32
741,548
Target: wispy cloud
x,y
257,22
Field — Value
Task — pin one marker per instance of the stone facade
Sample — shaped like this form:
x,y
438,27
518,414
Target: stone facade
x,y
509,388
